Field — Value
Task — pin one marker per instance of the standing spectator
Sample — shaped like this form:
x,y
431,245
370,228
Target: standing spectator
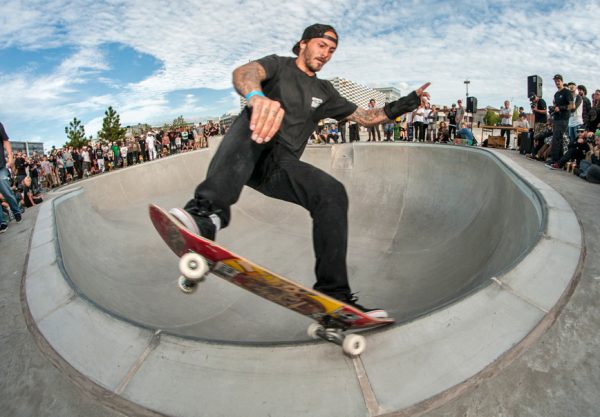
x,y
576,116
177,136
452,122
540,113
432,126
506,114
116,155
587,113
123,153
563,104
46,167
460,113
99,157
143,155
419,123
87,161
34,174
7,161
150,146
20,168
373,129
69,164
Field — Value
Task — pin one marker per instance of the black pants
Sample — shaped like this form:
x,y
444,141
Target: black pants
x,y
271,169
558,130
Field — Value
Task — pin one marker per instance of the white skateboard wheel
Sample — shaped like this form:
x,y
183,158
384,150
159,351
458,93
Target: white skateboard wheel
x,y
193,266
186,285
354,344
312,330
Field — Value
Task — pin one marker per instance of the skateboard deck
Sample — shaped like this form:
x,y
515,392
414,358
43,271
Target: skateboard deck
x,y
239,271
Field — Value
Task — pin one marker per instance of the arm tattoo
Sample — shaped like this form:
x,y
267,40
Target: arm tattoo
x,y
369,117
248,78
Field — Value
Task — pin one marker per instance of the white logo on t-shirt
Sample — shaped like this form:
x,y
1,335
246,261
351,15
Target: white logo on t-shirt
x,y
316,102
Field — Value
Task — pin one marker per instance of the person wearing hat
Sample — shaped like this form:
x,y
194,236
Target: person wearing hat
x,y
561,111
540,113
262,149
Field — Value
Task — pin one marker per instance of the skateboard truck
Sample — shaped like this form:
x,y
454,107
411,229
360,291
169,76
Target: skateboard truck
x,y
193,268
352,344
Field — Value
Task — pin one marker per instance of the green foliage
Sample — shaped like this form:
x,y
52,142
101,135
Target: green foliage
x,y
515,113
75,134
179,122
491,118
111,131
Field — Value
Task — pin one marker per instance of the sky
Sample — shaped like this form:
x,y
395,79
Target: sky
x,y
154,60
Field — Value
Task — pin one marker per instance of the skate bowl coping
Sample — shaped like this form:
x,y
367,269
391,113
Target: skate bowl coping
x,y
429,226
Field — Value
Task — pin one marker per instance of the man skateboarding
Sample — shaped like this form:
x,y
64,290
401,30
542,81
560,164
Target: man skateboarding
x,y
262,149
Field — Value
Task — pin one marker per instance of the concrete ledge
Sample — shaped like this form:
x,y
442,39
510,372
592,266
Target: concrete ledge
x,y
408,366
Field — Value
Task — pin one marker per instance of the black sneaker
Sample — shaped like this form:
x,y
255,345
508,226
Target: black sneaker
x,y
352,299
203,225
18,217
3,227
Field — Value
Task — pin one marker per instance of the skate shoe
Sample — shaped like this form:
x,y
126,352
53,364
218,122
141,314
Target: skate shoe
x,y
352,299
203,225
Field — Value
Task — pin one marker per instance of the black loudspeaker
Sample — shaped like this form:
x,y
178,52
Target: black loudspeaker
x,y
534,85
471,104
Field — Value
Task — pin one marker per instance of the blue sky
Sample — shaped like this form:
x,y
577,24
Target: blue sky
x,y
154,60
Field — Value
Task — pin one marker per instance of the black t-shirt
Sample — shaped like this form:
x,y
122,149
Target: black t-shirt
x,y
305,99
20,165
452,117
562,99
541,117
3,138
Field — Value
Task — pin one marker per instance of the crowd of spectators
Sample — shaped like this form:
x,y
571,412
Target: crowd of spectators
x,y
566,136
31,175
574,147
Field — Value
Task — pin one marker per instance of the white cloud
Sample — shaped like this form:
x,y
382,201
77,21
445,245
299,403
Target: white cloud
x,y
494,44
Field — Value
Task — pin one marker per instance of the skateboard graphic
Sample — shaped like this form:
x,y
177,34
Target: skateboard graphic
x,y
200,256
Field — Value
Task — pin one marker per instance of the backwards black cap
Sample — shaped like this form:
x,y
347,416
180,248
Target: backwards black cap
x,y
315,31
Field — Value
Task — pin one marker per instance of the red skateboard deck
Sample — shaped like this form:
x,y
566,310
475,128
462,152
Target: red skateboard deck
x,y
239,271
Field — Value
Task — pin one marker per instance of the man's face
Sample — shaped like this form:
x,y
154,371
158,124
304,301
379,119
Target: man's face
x,y
506,104
559,83
572,87
317,52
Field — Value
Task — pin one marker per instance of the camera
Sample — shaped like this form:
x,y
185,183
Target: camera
x,y
551,109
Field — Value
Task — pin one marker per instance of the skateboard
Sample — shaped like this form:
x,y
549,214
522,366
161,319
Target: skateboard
x,y
200,256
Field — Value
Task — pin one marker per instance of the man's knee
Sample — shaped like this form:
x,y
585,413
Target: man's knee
x,y
333,193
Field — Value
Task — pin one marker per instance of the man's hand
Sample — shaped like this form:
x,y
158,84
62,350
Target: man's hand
x,y
10,163
266,118
422,94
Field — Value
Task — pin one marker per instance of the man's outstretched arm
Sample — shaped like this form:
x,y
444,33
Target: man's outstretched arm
x,y
267,114
391,110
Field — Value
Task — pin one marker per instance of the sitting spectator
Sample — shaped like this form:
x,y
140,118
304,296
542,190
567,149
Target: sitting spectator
x,y
589,168
466,133
576,151
541,143
29,197
332,135
443,134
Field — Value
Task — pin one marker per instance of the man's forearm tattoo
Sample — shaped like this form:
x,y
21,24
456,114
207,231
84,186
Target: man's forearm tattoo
x,y
369,117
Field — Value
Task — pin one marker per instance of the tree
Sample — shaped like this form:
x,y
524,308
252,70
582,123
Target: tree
x,y
179,122
491,118
75,134
111,127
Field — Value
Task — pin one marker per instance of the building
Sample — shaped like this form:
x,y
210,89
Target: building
x,y
391,93
28,148
357,93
